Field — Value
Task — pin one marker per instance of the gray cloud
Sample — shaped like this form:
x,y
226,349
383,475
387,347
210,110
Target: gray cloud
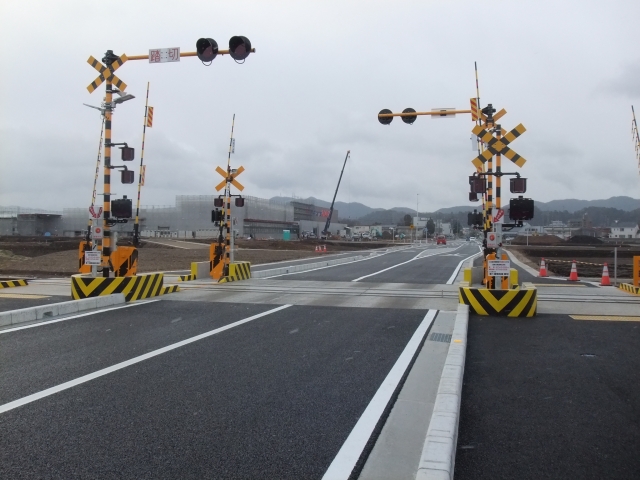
x,y
313,90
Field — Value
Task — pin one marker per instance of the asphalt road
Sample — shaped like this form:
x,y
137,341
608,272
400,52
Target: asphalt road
x,y
275,397
550,397
13,301
436,266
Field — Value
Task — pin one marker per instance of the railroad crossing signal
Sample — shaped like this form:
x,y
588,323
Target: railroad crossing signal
x,y
498,146
230,177
107,73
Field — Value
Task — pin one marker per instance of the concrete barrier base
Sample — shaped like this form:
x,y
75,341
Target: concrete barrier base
x,y
14,282
521,302
133,288
627,287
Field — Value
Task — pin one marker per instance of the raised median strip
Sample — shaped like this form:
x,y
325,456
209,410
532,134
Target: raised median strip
x,y
439,452
305,266
42,312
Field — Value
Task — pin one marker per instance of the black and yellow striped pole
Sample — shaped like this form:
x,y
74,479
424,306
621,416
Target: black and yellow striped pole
x,y
108,112
147,123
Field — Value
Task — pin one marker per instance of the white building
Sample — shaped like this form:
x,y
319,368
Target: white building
x,y
625,230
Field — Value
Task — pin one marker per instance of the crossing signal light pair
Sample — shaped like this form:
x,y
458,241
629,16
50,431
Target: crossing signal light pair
x,y
207,48
409,119
521,208
219,202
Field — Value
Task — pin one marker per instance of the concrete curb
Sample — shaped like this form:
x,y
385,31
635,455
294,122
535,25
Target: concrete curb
x,y
439,451
305,266
522,265
31,314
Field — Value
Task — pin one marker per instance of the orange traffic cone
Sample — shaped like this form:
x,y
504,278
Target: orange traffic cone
x,y
324,248
573,276
317,248
605,282
543,269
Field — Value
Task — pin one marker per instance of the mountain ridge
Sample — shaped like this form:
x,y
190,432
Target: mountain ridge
x,y
357,210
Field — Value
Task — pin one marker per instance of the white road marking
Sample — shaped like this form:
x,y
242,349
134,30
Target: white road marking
x,y
119,366
328,266
417,257
94,312
457,270
345,461
168,245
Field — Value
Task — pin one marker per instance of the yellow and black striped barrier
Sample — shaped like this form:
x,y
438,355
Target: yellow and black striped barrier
x,y
627,287
186,278
20,282
133,288
237,271
520,302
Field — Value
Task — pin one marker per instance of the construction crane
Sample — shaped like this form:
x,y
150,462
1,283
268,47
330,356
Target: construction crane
x,y
325,232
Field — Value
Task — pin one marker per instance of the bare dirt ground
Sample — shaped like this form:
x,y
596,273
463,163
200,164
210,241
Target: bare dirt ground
x,y
589,259
33,259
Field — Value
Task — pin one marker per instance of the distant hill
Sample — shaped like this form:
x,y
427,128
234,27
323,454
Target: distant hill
x,y
571,205
367,215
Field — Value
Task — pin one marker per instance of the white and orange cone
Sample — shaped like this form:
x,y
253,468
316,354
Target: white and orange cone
x,y
543,269
606,281
573,276
324,248
317,248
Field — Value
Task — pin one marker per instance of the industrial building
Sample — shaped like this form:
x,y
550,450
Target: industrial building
x,y
189,218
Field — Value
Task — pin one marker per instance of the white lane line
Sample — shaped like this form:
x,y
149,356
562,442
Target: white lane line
x,y
330,266
33,325
167,245
417,257
457,270
345,461
119,366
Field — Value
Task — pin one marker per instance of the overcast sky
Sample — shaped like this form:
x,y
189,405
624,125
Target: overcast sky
x,y
568,70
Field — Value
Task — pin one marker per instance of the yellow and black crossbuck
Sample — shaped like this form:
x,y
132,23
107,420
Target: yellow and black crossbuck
x,y
498,146
106,73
